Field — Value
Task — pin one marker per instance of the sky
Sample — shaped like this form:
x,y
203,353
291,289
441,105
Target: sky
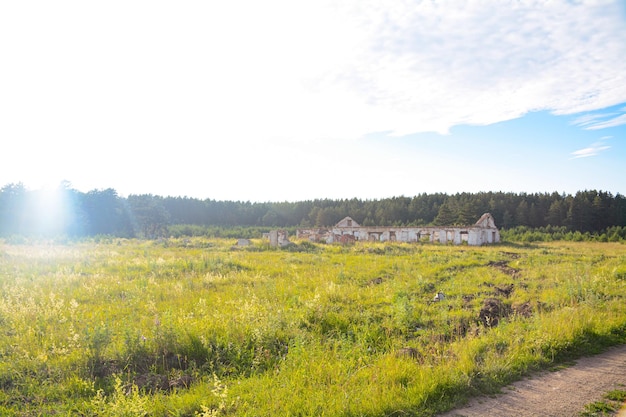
x,y
297,100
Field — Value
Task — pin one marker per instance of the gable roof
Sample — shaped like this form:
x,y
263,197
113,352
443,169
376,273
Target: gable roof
x,y
486,221
347,222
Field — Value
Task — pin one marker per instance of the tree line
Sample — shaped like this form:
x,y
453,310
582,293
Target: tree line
x,y
66,211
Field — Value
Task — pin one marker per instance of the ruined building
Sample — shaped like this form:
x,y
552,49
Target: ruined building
x,y
278,238
347,230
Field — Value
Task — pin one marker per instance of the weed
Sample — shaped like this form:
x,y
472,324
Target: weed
x,y
616,395
124,401
598,408
128,327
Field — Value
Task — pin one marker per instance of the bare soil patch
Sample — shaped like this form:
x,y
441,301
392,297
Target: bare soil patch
x,y
562,393
503,266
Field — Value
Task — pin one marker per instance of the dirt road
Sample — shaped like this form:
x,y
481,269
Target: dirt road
x,y
560,393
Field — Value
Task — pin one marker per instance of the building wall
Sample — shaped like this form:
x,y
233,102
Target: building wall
x,y
278,238
483,232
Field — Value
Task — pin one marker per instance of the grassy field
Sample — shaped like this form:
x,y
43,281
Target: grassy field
x,y
199,328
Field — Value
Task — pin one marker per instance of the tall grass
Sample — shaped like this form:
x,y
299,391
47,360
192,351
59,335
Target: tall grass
x,y
195,327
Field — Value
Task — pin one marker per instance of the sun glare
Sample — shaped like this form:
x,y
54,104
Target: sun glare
x,y
51,211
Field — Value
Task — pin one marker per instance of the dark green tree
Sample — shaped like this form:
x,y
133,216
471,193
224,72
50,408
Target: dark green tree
x,y
13,200
445,216
148,215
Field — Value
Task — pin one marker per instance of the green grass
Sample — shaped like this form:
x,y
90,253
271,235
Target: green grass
x,y
194,327
613,400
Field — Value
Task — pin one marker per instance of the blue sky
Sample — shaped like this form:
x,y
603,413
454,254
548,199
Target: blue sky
x,y
291,100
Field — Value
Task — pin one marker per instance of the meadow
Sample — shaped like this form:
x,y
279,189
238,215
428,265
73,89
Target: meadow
x,y
197,327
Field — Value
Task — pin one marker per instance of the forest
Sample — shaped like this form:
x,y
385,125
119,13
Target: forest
x,y
65,211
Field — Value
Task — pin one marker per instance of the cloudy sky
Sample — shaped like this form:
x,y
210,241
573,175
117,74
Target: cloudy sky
x,y
289,100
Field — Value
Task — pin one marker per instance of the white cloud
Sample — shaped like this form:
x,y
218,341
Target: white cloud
x,y
593,150
612,122
596,121
438,64
292,70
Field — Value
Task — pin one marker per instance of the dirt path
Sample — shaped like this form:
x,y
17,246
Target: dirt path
x,y
561,393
